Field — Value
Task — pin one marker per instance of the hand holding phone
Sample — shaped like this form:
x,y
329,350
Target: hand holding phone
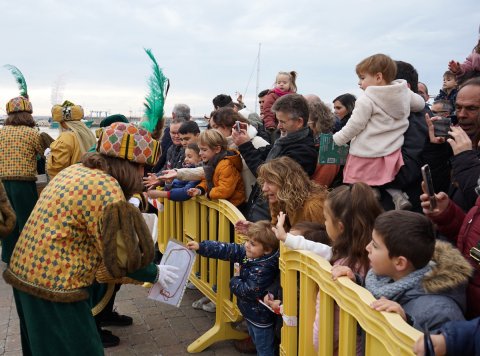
x,y
427,178
237,126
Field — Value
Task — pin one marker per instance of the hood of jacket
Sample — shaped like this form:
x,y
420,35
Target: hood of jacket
x,y
393,99
234,157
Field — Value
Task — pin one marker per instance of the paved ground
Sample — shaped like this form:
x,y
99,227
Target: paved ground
x,y
157,329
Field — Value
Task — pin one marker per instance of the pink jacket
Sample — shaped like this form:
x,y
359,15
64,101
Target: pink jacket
x,y
472,63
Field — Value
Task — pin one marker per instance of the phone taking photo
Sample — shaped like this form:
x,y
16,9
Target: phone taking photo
x,y
427,178
237,126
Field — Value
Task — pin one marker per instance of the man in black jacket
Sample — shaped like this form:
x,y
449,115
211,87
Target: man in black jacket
x,y
296,142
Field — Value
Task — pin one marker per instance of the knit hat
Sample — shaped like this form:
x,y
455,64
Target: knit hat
x,y
129,142
19,104
113,118
68,111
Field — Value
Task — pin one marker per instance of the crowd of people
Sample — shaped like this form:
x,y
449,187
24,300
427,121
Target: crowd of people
x,y
369,217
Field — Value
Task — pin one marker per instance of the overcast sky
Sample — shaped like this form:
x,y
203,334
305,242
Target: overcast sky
x,y
91,52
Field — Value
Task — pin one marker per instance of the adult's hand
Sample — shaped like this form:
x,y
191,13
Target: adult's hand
x,y
442,202
150,181
240,137
168,174
459,140
431,131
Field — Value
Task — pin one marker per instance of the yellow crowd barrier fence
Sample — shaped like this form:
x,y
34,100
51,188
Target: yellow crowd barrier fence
x,y
303,275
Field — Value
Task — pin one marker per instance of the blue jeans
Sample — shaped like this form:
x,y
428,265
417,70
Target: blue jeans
x,y
263,338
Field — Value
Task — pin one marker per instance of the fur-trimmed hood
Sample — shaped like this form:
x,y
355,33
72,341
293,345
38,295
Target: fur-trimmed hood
x,y
451,269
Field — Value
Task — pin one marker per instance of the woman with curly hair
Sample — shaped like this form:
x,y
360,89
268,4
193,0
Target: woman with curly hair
x,y
321,121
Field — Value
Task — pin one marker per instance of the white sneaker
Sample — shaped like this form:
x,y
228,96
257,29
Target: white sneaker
x,y
209,307
198,304
190,285
401,202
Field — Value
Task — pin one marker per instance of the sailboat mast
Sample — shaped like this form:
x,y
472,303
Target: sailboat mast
x,y
258,76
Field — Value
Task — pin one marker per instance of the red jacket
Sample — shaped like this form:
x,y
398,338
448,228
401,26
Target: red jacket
x,y
464,230
269,119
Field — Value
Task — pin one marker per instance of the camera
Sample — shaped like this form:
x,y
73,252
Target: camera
x,y
441,126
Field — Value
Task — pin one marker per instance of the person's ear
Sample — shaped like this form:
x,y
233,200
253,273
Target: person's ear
x,y
217,149
401,263
379,77
341,227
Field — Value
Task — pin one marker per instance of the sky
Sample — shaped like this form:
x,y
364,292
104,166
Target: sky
x,y
92,52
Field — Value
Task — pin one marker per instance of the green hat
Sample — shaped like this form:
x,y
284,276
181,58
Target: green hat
x,y
113,118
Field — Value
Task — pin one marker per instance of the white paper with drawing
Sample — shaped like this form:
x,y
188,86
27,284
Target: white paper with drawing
x,y
179,256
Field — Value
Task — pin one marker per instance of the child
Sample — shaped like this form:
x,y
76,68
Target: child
x,y
258,260
425,295
222,170
469,68
377,125
449,88
284,84
177,190
350,212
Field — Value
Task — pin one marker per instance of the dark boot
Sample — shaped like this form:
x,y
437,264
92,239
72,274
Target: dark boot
x,y
108,339
245,346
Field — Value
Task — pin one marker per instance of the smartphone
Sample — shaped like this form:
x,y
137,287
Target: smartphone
x,y
237,126
441,126
427,178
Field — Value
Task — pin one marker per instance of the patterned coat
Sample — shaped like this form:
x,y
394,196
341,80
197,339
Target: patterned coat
x,y
251,285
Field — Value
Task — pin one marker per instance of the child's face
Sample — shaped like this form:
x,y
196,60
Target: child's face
x,y
192,157
449,82
188,138
207,153
283,82
254,249
365,80
380,261
333,226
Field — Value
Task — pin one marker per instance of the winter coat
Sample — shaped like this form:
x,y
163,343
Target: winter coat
x,y
462,337
179,188
452,96
251,285
379,120
464,230
269,120
227,181
439,296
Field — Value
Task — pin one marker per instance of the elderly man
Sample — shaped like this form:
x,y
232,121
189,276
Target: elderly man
x,y
462,148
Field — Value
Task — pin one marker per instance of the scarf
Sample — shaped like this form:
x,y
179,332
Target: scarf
x,y
280,92
382,286
85,137
285,141
210,166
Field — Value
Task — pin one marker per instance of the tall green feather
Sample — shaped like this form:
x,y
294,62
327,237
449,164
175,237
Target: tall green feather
x,y
155,100
22,84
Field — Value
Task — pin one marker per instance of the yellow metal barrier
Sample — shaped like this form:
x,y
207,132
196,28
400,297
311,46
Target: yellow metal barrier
x,y
303,274
386,333
200,219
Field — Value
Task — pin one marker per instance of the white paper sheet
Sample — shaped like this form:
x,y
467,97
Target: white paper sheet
x,y
177,255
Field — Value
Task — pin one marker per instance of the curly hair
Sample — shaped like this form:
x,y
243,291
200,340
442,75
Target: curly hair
x,y
294,185
322,117
356,207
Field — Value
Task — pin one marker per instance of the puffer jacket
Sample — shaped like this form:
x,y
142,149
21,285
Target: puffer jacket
x,y
256,275
227,180
464,230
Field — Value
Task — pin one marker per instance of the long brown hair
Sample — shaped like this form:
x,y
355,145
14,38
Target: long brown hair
x,y
294,185
125,172
21,118
356,207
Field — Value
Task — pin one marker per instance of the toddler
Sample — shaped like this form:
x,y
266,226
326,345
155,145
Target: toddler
x,y
449,88
377,125
469,68
258,260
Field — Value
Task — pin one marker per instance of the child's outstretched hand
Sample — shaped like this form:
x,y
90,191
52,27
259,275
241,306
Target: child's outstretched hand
x,y
193,192
192,245
386,305
279,230
342,271
454,67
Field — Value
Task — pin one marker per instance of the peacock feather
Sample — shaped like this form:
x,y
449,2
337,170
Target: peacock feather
x,y
22,84
158,88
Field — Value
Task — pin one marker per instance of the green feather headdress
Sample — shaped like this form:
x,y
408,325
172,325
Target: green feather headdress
x,y
22,84
158,85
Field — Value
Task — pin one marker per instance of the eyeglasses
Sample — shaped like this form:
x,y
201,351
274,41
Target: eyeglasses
x,y
440,112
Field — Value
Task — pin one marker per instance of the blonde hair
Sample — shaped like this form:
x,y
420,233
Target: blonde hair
x,y
212,138
292,77
261,231
294,185
378,63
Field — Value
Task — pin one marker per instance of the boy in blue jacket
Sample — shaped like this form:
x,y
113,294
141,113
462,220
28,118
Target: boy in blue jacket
x,y
258,259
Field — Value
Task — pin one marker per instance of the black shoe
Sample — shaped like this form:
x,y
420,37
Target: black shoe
x,y
115,319
108,339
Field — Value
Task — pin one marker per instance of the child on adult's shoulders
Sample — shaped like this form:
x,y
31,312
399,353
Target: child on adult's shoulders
x,y
412,274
